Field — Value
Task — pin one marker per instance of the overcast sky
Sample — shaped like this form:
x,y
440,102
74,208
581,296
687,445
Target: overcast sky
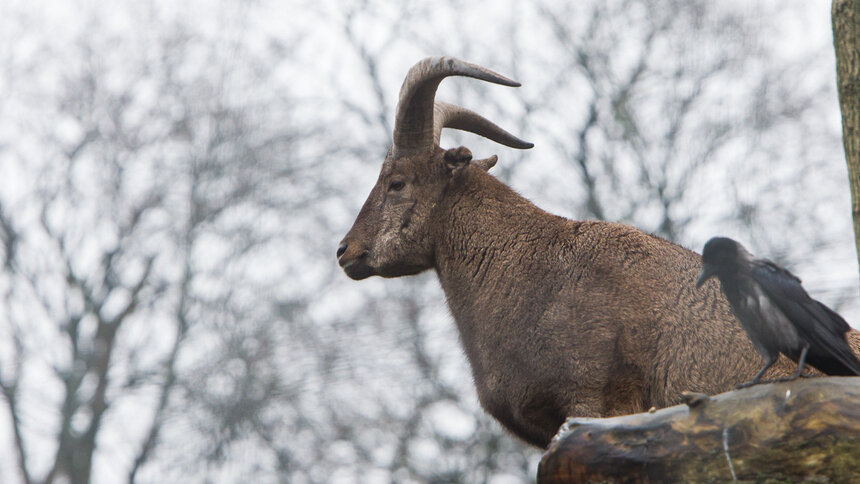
x,y
329,72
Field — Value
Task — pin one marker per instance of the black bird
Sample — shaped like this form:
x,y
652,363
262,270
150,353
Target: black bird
x,y
777,313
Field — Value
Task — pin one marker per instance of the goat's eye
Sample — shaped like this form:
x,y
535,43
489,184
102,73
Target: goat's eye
x,y
396,186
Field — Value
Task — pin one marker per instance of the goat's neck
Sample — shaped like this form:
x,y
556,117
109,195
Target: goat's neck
x,y
490,242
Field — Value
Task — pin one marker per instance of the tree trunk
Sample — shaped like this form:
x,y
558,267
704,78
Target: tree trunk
x,y
846,41
800,430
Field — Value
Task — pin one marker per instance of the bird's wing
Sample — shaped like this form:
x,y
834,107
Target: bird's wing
x,y
817,324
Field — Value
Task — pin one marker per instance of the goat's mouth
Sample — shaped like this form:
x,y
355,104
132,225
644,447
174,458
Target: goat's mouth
x,y
357,269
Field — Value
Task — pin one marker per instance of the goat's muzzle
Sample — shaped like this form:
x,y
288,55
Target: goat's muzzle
x,y
353,261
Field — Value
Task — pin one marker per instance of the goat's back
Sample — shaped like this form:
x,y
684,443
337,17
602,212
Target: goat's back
x,y
675,336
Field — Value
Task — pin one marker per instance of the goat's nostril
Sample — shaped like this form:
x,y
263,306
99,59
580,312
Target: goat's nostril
x,y
341,250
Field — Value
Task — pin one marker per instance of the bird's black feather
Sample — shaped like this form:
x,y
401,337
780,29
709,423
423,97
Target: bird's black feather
x,y
817,324
776,312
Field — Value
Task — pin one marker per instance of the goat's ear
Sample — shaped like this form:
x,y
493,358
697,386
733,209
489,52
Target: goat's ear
x,y
486,163
457,158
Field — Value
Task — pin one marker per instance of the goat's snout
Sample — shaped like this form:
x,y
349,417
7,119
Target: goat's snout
x,y
352,258
347,253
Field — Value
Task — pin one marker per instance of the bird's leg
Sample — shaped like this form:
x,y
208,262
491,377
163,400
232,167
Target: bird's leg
x,y
801,362
757,378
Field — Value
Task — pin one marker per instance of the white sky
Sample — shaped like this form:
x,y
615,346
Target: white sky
x,y
324,55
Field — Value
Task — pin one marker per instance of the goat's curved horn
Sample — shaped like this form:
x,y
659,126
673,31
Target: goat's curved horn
x,y
413,124
456,117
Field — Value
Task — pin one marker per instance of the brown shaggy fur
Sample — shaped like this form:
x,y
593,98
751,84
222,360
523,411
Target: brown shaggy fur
x,y
557,317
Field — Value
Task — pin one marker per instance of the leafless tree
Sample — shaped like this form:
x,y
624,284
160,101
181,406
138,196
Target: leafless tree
x,y
174,188
139,216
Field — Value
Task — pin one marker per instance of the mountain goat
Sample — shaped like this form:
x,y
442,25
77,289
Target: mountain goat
x,y
557,317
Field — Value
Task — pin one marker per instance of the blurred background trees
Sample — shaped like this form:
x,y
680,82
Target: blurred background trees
x,y
175,180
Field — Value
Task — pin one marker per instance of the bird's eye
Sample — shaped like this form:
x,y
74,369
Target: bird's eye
x,y
396,186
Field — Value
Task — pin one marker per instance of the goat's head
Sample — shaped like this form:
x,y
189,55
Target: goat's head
x,y
391,235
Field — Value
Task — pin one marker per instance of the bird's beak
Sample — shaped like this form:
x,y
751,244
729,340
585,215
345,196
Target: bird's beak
x,y
707,273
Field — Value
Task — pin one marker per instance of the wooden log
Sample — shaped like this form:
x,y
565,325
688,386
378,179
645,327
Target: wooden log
x,y
808,429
